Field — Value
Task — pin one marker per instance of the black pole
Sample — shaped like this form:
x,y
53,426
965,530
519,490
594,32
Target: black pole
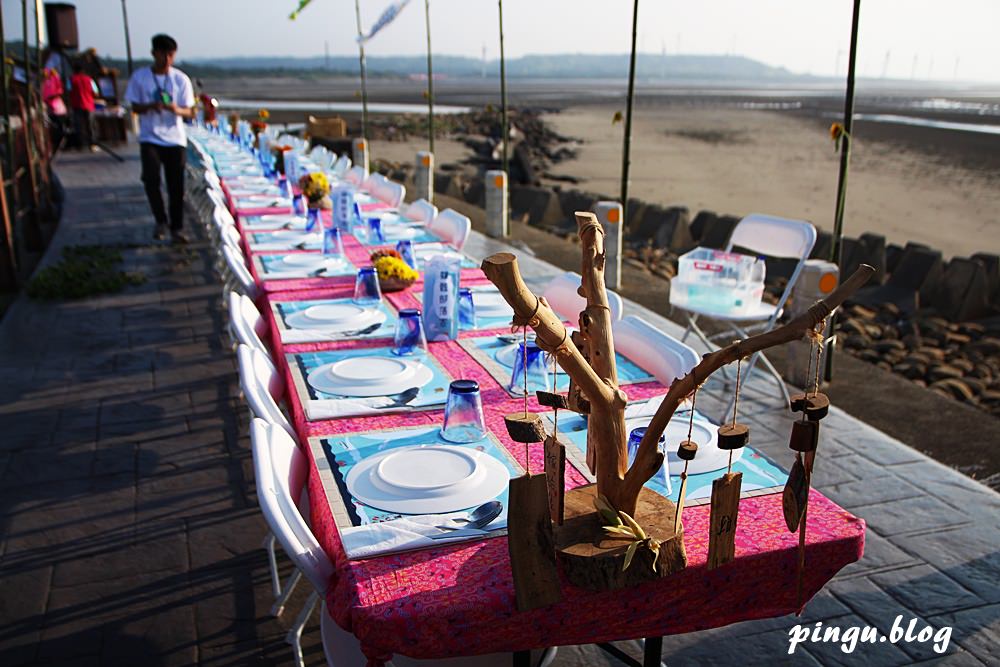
x,y
38,51
845,159
626,152
503,94
8,174
430,78
26,51
128,40
364,80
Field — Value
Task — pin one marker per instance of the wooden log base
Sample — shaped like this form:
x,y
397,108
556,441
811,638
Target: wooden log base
x,y
687,450
525,427
733,436
805,435
554,401
593,561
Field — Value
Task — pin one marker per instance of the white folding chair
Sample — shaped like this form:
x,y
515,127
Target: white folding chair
x,y
341,166
372,182
261,383
563,297
390,192
654,351
451,227
420,210
248,326
355,176
239,277
231,237
773,237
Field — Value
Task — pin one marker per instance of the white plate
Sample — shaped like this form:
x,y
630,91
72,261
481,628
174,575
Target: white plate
x,y
302,321
370,376
304,260
434,470
489,481
291,236
264,222
336,313
398,233
709,457
491,304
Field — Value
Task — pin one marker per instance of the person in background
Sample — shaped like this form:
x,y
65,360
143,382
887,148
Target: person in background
x,y
92,64
81,99
163,97
52,94
209,106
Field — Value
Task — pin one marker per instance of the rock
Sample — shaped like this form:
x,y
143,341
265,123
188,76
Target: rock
x,y
666,228
716,234
821,249
874,254
572,201
962,292
973,330
961,364
910,371
893,253
889,346
857,341
449,185
954,388
700,223
475,192
540,204
943,371
863,312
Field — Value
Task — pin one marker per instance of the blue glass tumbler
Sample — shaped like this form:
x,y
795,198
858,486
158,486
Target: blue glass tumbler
x,y
538,371
661,475
333,245
466,309
410,339
405,250
313,219
463,413
375,234
298,205
366,288
282,184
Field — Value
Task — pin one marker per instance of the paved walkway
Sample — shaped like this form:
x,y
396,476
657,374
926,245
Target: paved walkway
x,y
129,532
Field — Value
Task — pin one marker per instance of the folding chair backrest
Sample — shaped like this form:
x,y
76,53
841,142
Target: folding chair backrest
x,y
244,281
776,237
341,166
257,377
277,504
563,297
373,182
231,237
248,325
656,352
421,210
355,176
390,192
451,227
223,218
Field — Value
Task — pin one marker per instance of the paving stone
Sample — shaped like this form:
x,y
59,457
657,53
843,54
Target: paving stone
x,y
883,654
880,554
162,549
925,590
880,449
909,515
976,630
861,492
968,555
965,495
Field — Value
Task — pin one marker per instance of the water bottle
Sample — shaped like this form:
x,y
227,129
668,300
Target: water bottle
x,y
441,275
342,199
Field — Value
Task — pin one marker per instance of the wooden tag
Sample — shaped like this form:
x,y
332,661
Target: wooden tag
x,y
793,498
555,477
725,511
550,400
531,545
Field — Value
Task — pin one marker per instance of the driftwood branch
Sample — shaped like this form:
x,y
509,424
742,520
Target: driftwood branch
x,y
648,459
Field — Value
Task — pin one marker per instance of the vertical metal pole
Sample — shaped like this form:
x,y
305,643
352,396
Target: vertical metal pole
x,y
503,95
845,159
430,78
364,79
9,131
128,39
26,50
38,45
626,151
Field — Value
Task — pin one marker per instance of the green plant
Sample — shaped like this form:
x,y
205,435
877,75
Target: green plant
x,y
83,271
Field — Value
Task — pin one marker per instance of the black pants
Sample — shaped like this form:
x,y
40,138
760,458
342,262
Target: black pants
x,y
83,125
173,159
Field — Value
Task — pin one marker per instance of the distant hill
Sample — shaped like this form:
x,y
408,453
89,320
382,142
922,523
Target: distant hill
x,y
648,66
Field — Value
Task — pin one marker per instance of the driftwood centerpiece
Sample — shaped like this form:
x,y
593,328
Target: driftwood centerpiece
x,y
589,558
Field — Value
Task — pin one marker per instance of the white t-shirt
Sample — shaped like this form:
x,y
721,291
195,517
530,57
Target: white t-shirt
x,y
160,127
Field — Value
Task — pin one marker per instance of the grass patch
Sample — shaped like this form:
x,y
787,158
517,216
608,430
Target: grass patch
x,y
83,271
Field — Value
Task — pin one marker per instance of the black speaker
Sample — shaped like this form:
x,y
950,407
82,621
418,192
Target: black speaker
x,y
60,21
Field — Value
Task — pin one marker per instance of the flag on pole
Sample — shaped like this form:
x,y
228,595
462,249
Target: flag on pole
x,y
388,16
298,10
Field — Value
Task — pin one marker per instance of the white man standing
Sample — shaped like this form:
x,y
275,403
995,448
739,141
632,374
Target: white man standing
x,y
163,97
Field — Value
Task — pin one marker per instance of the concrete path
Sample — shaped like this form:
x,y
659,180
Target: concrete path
x,y
129,532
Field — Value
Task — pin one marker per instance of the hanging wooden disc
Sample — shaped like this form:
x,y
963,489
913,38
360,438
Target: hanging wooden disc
x,y
687,450
733,436
814,405
525,427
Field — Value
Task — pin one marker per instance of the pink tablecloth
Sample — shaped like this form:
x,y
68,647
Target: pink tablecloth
x,y
459,599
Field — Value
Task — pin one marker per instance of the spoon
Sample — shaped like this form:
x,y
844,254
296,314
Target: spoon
x,y
401,399
478,518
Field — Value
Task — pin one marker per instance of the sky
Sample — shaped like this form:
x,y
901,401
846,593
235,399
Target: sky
x,y
948,41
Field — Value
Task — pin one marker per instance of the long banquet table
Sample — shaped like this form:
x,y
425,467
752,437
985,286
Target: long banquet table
x,y
458,599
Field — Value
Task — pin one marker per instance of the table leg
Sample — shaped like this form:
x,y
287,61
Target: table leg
x,y
652,652
522,658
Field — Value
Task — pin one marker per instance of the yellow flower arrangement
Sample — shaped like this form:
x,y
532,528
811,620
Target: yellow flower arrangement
x,y
391,268
314,186
263,114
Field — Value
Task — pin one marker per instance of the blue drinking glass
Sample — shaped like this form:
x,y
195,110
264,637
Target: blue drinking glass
x,y
538,371
366,288
661,475
405,250
375,234
333,245
313,219
463,413
466,309
283,185
298,204
409,339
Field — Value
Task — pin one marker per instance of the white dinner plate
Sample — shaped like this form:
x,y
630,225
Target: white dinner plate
x,y
400,233
292,236
429,491
370,376
264,222
304,260
491,304
370,317
709,457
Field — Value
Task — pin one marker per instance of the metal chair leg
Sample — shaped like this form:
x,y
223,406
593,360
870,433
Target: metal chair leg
x,y
294,636
272,557
282,599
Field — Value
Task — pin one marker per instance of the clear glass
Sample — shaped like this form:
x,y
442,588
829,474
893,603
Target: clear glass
x,y
333,245
410,339
466,309
463,413
366,288
538,370
313,219
662,475
375,234
405,250
441,277
298,204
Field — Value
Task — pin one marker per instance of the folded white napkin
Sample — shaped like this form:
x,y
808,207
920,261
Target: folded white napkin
x,y
312,244
262,202
276,222
406,534
297,335
335,408
305,272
